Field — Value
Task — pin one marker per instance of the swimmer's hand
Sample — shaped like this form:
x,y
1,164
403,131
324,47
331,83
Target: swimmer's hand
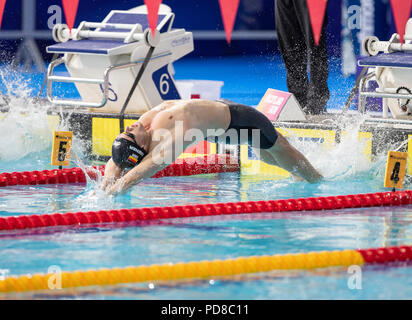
x,y
120,186
113,190
146,169
106,183
111,174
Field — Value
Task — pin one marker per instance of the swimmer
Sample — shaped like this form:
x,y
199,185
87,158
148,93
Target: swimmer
x,y
139,152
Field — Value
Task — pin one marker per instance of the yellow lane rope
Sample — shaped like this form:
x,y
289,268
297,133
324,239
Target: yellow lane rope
x,y
189,270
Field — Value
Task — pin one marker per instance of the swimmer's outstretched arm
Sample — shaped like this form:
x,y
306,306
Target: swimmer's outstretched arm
x,y
111,174
146,169
157,159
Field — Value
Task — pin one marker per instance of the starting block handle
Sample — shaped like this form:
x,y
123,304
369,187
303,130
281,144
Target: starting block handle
x,y
84,34
70,79
96,25
387,95
62,33
372,45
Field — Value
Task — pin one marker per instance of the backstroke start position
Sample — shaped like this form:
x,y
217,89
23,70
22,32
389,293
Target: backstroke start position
x,y
160,135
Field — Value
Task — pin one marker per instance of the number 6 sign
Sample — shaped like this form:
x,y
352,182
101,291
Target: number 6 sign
x,y
164,84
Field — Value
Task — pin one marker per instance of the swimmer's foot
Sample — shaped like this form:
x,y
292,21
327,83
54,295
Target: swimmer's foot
x,y
297,178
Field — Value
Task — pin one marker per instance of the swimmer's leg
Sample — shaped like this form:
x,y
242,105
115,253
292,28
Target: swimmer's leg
x,y
267,157
290,159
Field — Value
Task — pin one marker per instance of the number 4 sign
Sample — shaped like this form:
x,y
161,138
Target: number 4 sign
x,y
62,142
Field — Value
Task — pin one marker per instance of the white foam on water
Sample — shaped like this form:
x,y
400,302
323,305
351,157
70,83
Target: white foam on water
x,y
93,199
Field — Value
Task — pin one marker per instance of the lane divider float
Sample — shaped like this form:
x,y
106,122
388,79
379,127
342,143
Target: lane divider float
x,y
378,199
208,269
215,163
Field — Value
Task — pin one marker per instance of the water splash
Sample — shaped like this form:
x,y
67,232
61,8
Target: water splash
x,y
25,128
349,159
93,198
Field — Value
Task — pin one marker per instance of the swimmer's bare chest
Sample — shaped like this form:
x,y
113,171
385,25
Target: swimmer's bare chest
x,y
169,118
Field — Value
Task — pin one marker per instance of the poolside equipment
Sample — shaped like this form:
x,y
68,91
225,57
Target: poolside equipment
x,y
120,70
118,65
392,71
206,269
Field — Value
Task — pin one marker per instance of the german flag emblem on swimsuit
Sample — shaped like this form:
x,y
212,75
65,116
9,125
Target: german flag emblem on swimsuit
x,y
132,159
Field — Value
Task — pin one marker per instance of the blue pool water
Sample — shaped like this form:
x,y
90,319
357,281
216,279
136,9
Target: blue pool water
x,y
208,238
204,238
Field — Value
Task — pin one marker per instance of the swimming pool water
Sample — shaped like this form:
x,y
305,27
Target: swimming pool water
x,y
204,238
170,191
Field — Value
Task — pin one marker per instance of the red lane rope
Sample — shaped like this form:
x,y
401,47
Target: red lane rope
x,y
385,255
183,167
143,214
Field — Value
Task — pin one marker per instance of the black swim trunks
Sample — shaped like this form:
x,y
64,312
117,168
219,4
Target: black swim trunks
x,y
250,125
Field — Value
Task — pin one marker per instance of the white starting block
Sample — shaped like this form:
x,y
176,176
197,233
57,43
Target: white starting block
x,y
392,70
105,58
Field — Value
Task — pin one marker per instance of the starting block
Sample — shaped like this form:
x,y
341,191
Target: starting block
x,y
392,70
105,58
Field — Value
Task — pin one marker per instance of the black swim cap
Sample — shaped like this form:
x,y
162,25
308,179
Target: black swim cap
x,y
127,154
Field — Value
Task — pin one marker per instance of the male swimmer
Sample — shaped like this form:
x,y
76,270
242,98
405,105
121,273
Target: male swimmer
x,y
140,151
